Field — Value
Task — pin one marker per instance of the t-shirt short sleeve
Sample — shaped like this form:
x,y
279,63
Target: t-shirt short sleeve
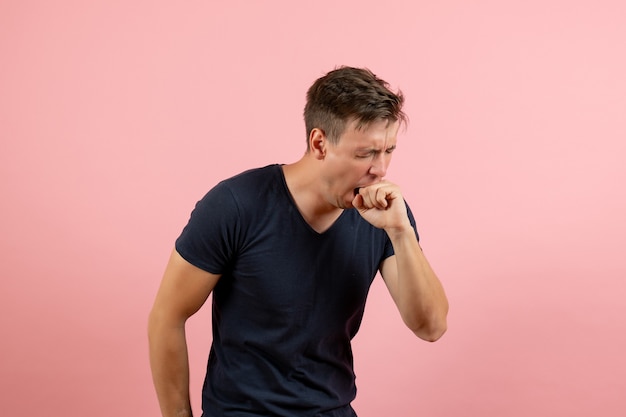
x,y
412,221
209,239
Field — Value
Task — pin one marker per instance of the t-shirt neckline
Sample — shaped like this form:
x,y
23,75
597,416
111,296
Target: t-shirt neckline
x,y
291,200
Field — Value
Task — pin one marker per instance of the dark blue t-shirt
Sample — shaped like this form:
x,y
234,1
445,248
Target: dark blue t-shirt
x,y
289,300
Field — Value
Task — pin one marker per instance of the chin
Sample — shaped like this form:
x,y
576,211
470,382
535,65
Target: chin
x,y
346,204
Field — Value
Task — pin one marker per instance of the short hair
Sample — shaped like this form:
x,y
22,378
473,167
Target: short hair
x,y
346,94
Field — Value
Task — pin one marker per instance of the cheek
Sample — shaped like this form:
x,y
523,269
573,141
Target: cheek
x,y
350,172
356,173
360,167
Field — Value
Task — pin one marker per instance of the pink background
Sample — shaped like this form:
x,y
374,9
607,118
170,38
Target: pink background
x,y
116,116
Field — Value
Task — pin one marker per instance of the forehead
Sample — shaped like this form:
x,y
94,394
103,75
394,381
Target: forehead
x,y
379,133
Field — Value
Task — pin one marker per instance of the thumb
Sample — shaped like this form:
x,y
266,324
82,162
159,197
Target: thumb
x,y
357,202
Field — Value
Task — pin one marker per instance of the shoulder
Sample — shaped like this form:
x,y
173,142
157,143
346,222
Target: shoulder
x,y
221,219
245,183
254,186
254,176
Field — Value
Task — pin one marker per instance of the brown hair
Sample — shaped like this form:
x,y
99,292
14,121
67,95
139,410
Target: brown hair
x,y
346,94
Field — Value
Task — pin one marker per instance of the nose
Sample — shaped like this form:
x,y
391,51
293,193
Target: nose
x,y
380,164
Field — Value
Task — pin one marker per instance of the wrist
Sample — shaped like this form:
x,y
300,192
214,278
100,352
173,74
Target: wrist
x,y
400,231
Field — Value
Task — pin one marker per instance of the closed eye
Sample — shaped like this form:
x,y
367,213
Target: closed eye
x,y
373,152
368,154
390,150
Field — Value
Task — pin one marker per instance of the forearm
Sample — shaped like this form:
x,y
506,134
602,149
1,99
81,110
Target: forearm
x,y
418,293
170,367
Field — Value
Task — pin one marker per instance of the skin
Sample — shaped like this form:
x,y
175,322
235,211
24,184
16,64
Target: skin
x,y
322,184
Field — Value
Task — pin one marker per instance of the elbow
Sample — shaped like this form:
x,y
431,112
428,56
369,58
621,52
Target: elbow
x,y
430,333
429,329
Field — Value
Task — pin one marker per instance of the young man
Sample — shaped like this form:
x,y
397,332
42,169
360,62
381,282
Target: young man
x,y
289,252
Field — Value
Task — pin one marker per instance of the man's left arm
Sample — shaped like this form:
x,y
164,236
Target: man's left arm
x,y
412,283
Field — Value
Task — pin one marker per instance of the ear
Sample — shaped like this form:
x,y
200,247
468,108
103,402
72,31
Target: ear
x,y
318,143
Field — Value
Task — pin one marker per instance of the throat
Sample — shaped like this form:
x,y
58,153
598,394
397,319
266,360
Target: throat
x,y
303,188
321,222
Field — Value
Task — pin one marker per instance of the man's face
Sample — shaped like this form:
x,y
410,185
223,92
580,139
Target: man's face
x,y
360,158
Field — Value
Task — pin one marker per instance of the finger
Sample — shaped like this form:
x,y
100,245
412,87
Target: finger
x,y
357,202
381,198
376,197
367,195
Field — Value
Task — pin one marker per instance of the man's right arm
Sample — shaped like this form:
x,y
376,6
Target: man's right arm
x,y
183,290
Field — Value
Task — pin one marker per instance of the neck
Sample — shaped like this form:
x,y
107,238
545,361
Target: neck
x,y
306,188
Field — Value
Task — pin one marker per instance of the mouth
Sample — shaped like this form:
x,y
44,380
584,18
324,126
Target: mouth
x,y
356,191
